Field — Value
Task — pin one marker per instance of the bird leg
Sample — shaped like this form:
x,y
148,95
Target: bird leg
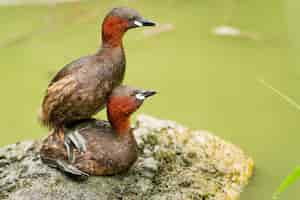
x,y
73,139
65,167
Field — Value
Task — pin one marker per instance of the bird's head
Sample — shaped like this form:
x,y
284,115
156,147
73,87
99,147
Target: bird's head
x,y
118,21
122,103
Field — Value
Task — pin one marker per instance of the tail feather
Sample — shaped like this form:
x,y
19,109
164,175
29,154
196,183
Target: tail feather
x,y
43,119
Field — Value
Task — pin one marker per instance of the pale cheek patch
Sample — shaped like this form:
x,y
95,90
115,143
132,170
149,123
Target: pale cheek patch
x,y
139,96
138,23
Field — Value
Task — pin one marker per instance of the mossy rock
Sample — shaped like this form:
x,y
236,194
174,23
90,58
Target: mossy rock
x,y
175,163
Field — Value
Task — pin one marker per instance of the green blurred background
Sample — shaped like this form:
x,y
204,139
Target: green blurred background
x,y
204,81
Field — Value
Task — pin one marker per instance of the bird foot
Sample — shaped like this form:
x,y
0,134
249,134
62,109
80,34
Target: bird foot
x,y
65,167
73,139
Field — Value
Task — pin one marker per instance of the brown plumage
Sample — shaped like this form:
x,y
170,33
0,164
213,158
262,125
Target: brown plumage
x,y
111,149
107,153
80,89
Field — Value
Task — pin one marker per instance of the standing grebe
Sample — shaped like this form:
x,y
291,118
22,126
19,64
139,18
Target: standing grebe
x,y
80,89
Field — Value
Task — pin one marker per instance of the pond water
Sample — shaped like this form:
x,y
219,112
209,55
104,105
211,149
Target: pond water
x,y
33,2
204,81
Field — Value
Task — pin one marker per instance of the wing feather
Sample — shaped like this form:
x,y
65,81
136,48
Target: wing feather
x,y
57,93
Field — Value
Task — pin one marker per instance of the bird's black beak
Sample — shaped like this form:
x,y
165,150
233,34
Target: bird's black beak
x,y
143,22
143,94
146,22
149,93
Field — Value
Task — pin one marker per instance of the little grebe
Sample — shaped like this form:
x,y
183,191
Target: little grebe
x,y
111,149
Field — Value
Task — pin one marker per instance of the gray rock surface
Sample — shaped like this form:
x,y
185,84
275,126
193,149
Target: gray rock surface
x,y
175,163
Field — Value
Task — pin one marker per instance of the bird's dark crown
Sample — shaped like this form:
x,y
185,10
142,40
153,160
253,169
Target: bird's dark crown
x,y
125,13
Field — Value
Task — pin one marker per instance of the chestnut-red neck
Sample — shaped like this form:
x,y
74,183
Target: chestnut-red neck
x,y
113,30
119,109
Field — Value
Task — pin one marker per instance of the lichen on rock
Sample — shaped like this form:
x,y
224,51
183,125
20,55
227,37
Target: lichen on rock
x,y
174,163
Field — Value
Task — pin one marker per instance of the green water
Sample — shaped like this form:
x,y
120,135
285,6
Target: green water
x,y
204,81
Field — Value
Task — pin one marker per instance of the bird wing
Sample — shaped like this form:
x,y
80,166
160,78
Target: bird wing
x,y
91,89
57,93
69,69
